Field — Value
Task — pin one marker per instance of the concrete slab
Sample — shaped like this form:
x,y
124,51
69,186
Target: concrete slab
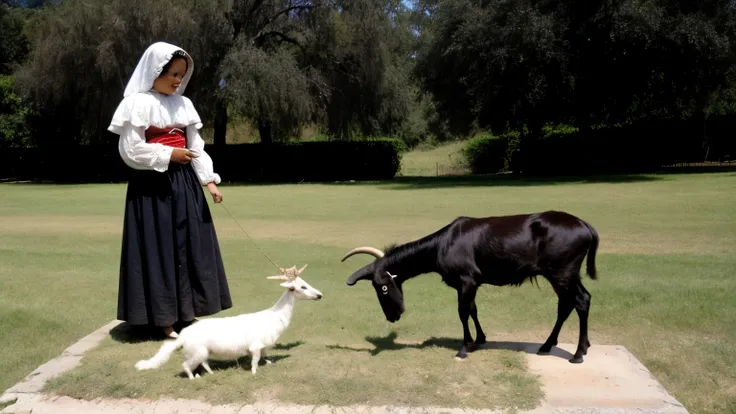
x,y
611,380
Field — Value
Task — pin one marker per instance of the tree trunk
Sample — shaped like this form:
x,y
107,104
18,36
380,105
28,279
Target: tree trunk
x,y
584,127
264,129
220,123
534,127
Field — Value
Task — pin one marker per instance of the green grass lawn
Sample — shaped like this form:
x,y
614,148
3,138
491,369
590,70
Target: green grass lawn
x,y
666,291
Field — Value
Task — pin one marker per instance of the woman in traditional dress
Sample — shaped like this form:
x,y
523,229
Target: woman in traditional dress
x,y
171,269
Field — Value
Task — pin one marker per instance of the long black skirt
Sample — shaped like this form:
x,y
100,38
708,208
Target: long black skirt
x,y
171,268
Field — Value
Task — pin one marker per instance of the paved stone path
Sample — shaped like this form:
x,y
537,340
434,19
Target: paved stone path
x,y
611,380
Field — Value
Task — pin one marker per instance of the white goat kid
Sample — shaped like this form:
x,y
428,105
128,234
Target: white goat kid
x,y
235,336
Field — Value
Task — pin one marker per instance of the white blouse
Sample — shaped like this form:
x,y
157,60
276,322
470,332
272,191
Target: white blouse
x,y
139,111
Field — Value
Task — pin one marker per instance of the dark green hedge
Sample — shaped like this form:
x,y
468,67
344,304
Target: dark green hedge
x,y
374,159
488,154
638,148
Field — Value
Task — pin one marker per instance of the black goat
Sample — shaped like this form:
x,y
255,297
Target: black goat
x,y
504,250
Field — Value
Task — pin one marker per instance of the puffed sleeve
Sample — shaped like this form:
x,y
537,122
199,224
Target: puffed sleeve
x,y
203,163
140,155
130,120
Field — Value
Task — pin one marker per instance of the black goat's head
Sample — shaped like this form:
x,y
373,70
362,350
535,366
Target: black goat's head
x,y
387,286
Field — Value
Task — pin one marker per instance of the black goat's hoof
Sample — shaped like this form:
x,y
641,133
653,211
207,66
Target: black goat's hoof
x,y
544,349
576,360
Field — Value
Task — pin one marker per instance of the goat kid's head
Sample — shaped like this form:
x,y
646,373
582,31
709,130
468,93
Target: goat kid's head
x,y
387,286
297,285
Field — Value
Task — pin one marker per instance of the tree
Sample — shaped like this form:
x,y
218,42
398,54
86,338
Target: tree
x,y
14,45
359,49
260,58
15,114
82,57
508,64
263,79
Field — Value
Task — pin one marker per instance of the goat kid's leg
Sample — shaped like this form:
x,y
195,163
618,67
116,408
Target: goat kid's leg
x,y
194,358
207,367
263,355
255,358
465,298
582,306
188,370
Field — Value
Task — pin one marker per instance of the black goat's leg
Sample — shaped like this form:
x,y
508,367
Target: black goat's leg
x,y
480,336
565,306
465,298
582,306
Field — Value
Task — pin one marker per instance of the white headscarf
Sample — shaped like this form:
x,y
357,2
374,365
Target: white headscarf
x,y
150,66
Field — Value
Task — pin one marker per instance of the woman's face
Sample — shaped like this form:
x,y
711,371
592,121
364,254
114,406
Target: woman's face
x,y
168,82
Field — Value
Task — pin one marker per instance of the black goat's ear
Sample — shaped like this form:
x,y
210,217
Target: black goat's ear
x,y
365,272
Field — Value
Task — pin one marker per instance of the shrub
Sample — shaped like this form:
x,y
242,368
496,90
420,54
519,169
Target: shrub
x,y
370,159
15,116
487,154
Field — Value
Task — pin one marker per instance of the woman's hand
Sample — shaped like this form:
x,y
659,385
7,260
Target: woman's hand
x,y
182,156
216,194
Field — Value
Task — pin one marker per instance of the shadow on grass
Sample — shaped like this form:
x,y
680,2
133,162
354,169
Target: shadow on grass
x,y
133,334
243,363
388,343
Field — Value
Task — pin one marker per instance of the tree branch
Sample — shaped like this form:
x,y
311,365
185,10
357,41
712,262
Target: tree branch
x,y
287,10
238,24
278,34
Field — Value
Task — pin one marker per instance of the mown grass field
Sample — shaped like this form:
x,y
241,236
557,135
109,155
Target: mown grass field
x,y
667,290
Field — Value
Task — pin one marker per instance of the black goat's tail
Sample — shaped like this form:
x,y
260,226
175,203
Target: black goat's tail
x,y
590,262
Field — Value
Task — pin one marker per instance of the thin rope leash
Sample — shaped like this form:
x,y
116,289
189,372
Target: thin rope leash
x,y
246,233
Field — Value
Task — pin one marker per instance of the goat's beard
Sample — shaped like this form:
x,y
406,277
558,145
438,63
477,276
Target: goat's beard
x,y
391,309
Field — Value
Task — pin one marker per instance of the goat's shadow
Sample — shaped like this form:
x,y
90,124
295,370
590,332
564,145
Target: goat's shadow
x,y
243,363
133,334
388,343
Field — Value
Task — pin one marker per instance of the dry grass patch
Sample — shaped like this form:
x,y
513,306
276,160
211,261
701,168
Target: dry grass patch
x,y
443,159
308,372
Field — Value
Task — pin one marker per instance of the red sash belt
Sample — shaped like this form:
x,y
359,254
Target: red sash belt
x,y
173,137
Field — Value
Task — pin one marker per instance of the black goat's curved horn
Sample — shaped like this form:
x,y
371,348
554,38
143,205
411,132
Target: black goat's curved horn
x,y
365,249
364,273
